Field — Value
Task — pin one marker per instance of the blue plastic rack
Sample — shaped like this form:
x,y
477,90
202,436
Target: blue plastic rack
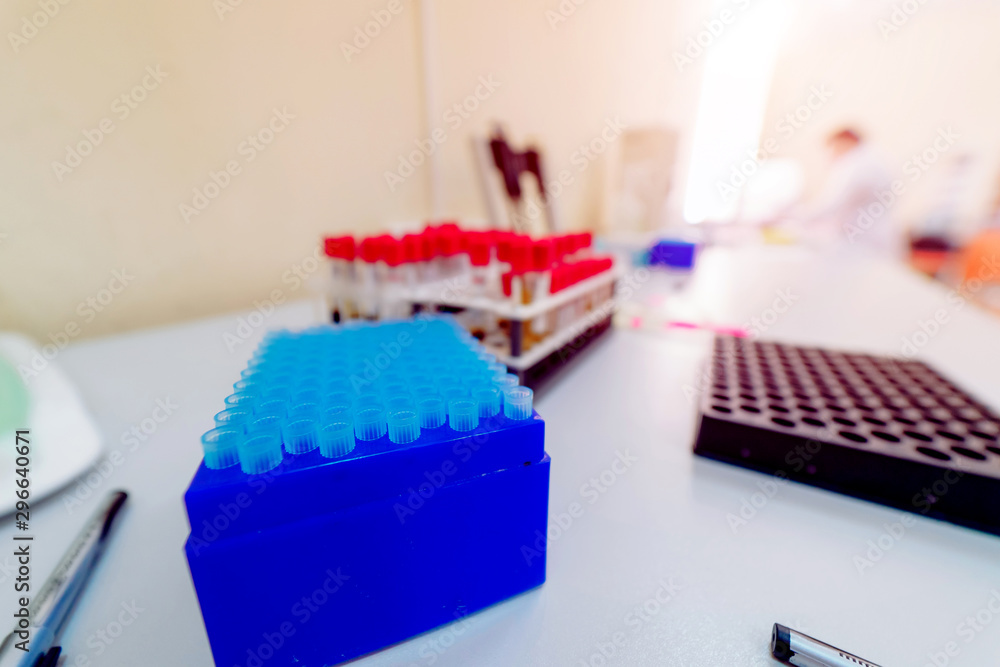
x,y
364,483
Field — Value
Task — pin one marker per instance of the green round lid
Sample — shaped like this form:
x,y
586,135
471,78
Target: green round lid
x,y
13,399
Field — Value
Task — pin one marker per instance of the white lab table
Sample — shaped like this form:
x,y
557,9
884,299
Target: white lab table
x,y
653,562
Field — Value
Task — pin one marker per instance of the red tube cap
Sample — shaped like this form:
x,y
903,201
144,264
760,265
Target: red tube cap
x,y
520,255
449,241
368,250
339,247
412,251
392,251
480,248
543,254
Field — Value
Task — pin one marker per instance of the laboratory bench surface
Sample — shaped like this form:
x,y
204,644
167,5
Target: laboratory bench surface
x,y
655,557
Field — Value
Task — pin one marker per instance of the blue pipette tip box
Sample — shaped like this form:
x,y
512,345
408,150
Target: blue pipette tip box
x,y
673,254
372,519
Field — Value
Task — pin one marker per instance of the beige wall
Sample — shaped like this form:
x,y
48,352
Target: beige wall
x,y
119,209
899,86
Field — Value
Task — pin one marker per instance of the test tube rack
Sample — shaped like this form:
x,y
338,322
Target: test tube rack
x,y
534,303
365,483
891,431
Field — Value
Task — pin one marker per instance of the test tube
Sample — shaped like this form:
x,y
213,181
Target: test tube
x,y
337,382
369,423
336,438
299,436
505,380
270,406
234,418
421,390
269,424
400,402
474,380
241,398
403,426
517,402
306,396
463,414
304,411
337,397
220,447
454,392
392,388
488,399
259,452
251,385
367,401
445,381
432,411
278,388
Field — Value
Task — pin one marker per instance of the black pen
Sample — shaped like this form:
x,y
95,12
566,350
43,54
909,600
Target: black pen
x,y
50,608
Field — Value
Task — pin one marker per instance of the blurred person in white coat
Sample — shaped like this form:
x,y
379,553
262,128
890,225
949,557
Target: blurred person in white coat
x,y
853,213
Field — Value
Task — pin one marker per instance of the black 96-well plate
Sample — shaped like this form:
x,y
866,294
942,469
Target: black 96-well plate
x,y
892,431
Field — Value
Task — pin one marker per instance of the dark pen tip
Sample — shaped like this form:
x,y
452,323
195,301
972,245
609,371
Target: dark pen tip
x,y
781,642
119,498
49,659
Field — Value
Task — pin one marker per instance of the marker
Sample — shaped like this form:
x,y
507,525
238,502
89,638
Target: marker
x,y
50,608
796,648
